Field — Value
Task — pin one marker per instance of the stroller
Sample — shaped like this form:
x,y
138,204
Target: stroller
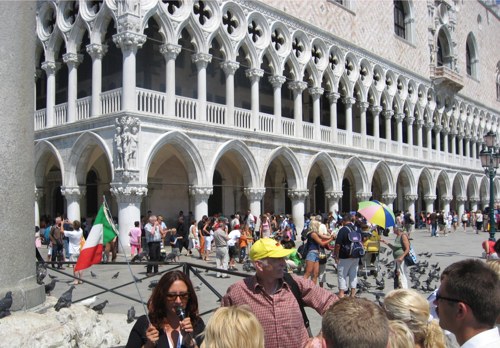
x,y
370,260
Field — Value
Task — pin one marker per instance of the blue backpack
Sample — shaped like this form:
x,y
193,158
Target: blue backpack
x,y
357,249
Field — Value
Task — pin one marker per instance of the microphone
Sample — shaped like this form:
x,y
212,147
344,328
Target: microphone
x,y
180,312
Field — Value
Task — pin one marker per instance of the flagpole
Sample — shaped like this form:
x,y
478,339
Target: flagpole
x,y
112,223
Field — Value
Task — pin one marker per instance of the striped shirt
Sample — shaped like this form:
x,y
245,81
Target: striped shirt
x,y
279,314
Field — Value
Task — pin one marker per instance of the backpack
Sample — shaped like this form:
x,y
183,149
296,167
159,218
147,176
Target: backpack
x,y
303,250
303,234
46,236
357,250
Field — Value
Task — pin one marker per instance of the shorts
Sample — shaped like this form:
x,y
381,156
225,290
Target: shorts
x,y
233,252
313,256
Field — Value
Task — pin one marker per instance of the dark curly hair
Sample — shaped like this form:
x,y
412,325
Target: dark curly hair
x,y
157,303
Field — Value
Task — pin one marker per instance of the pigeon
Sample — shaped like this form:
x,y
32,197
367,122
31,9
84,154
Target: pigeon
x,y
115,275
65,300
4,314
50,286
89,301
198,287
99,307
52,276
131,315
137,279
139,257
380,303
153,284
41,273
170,257
6,302
330,286
93,275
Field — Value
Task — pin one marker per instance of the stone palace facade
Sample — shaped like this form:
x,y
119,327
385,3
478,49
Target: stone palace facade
x,y
273,106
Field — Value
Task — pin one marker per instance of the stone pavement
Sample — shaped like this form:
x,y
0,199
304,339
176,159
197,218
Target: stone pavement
x,y
445,251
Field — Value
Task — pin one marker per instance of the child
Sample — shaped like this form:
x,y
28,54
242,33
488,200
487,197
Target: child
x,y
135,239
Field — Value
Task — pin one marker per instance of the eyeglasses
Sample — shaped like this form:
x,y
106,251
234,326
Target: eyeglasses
x,y
173,296
439,297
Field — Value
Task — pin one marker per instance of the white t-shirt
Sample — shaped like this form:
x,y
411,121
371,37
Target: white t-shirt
x,y
234,236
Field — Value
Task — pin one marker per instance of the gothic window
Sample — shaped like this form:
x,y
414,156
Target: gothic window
x,y
404,19
471,56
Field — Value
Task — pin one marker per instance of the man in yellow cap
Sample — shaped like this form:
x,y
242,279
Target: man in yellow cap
x,y
272,299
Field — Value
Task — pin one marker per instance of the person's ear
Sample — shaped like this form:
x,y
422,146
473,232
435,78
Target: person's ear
x,y
463,311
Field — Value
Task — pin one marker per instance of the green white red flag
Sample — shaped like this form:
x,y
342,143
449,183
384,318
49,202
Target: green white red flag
x,y
102,232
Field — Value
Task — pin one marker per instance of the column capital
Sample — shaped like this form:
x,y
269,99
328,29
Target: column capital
x,y
429,198
446,199
39,193
73,193
389,197
128,40
277,80
170,51
363,196
460,135
410,120
297,86
376,109
445,130
298,194
97,51
333,97
202,192
399,117
410,198
461,199
388,114
201,59
50,67
438,128
254,74
474,199
316,91
229,67
429,125
363,106
72,58
254,193
334,194
349,101
128,193
420,122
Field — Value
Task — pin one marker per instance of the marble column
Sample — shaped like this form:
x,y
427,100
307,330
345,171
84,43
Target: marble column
x,y
445,132
333,200
437,136
316,93
461,205
297,87
332,98
50,70
298,198
429,203
467,146
429,127
376,110
410,204
200,196
277,81
473,201
474,147
445,200
399,117
453,135
460,144
420,138
170,53
230,68
39,193
362,108
72,60
129,197
201,60
388,133
254,75
348,102
388,199
73,195
18,43
409,129
96,52
254,196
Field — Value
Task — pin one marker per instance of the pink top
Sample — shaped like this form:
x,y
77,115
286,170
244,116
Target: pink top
x,y
135,236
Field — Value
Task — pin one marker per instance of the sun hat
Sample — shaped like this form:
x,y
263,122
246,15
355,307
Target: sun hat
x,y
268,247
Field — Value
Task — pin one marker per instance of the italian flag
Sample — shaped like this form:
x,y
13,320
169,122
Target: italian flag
x,y
102,232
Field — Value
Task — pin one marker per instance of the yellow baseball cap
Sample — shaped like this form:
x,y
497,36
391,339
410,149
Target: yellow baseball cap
x,y
268,247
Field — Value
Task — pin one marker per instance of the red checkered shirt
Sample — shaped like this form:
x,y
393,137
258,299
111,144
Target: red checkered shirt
x,y
279,314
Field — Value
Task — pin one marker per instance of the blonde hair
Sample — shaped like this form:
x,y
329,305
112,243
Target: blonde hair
x,y
400,336
234,326
413,309
494,265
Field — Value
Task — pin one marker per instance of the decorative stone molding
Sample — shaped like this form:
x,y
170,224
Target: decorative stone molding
x,y
128,40
170,51
461,199
254,74
229,67
389,197
429,198
446,199
127,142
363,106
410,198
420,122
348,101
388,114
297,86
399,117
201,192
127,175
363,196
298,194
50,67
316,91
73,193
335,195
475,199
201,60
254,194
128,193
437,128
72,59
410,120
277,80
333,97
97,51
429,125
